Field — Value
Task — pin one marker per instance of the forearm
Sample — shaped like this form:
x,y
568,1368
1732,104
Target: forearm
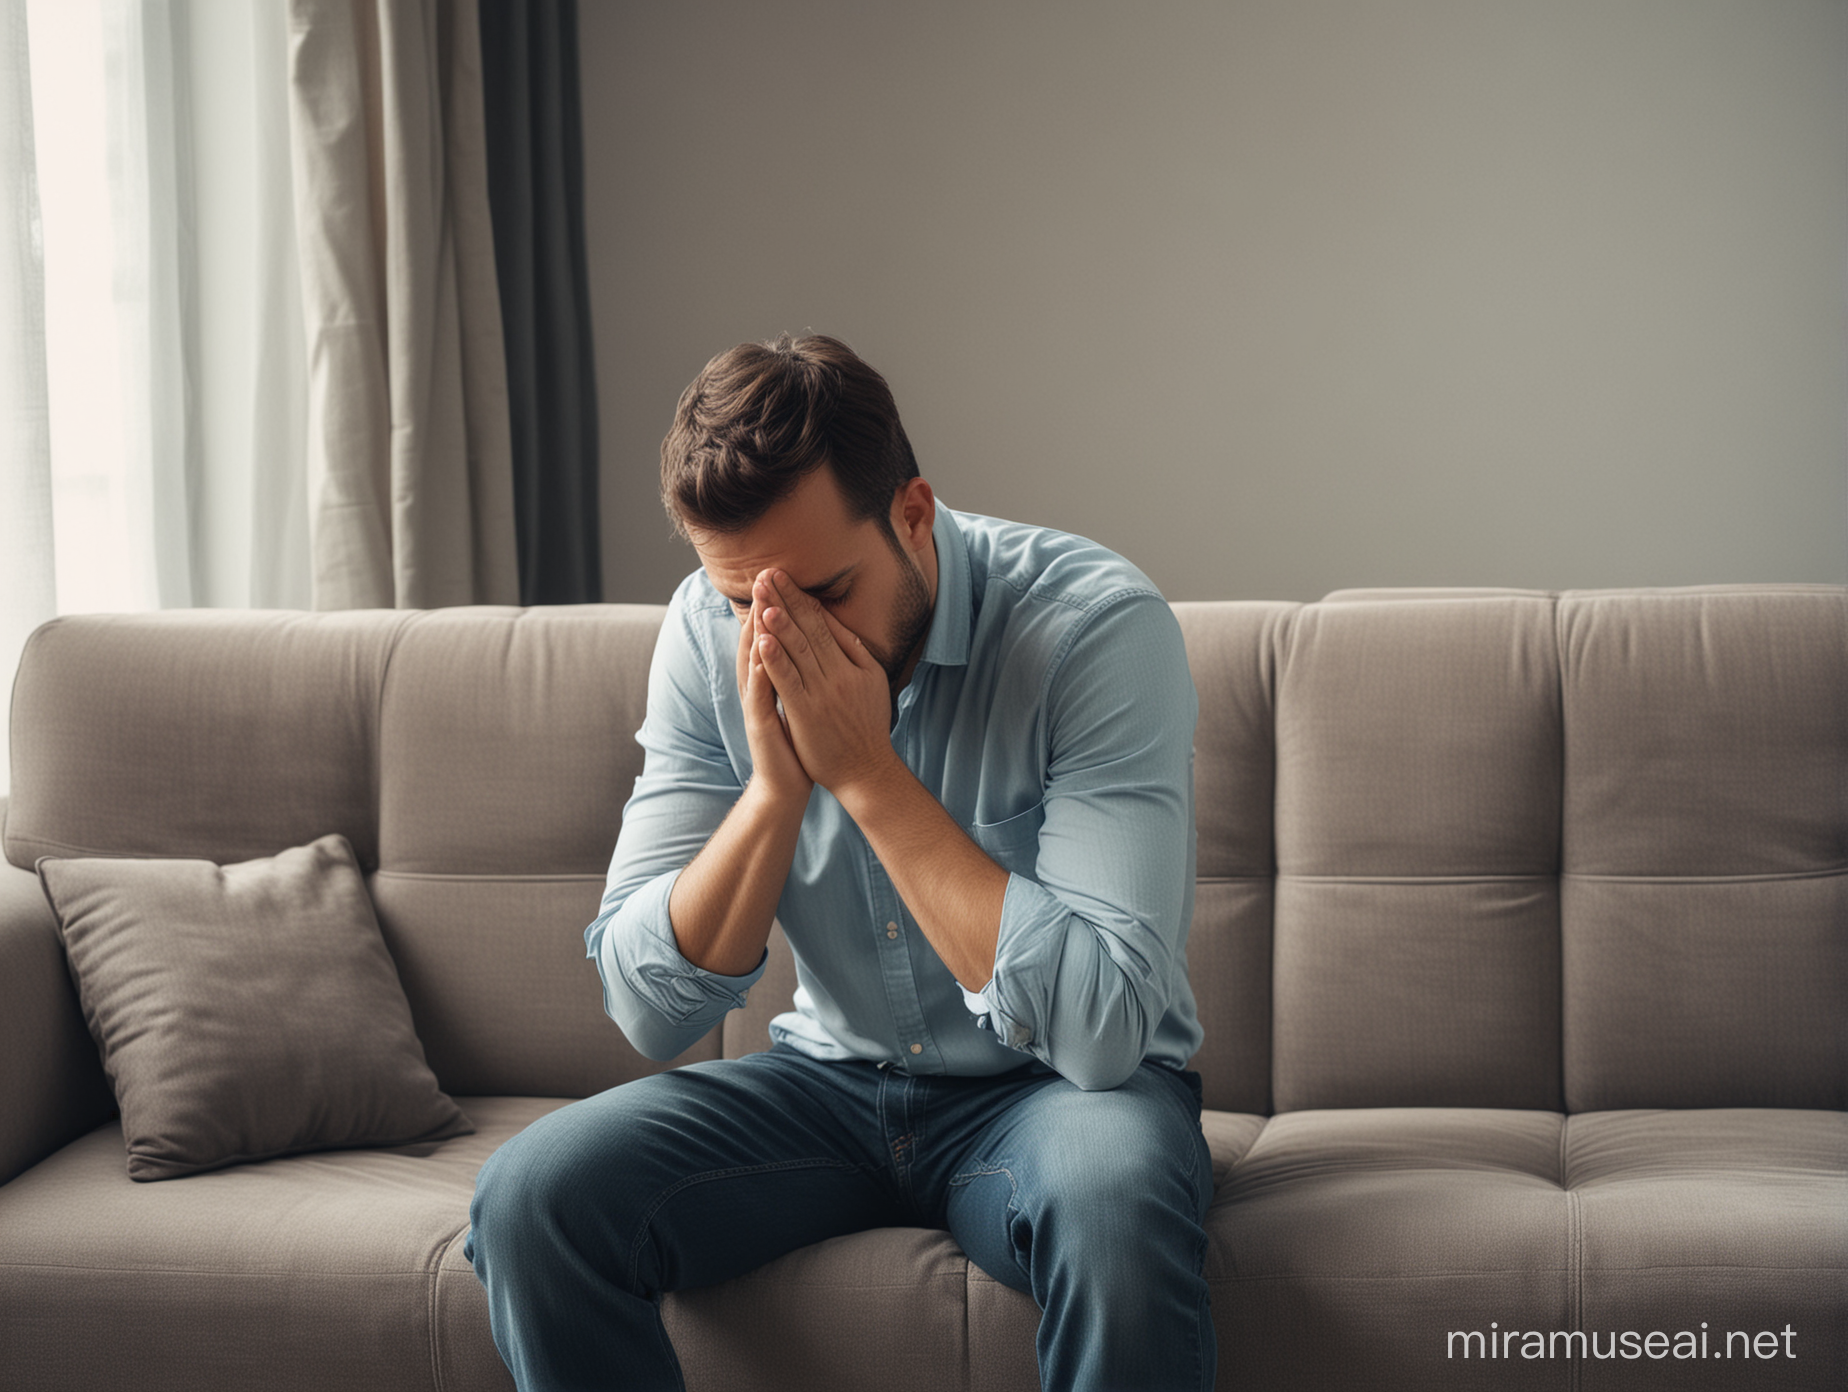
x,y
948,882
723,903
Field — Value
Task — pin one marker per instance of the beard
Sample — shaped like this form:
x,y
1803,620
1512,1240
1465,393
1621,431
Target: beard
x,y
910,620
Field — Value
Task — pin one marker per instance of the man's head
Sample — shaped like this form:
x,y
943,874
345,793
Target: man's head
x,y
790,455
763,416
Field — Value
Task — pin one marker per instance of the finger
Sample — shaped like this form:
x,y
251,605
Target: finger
x,y
806,614
764,691
792,641
747,639
758,692
784,674
849,642
760,713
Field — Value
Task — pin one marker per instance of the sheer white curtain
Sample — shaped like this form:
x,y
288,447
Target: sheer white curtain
x,y
250,336
173,312
152,370
26,591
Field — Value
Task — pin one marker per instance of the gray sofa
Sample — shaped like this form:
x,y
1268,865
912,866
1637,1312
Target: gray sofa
x,y
1521,941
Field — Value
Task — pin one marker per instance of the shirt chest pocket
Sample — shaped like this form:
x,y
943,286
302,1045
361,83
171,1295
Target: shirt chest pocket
x,y
1013,844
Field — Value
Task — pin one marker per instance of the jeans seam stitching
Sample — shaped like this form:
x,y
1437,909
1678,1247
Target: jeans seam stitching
x,y
981,1171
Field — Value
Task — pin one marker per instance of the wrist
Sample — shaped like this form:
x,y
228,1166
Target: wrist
x,y
875,787
776,799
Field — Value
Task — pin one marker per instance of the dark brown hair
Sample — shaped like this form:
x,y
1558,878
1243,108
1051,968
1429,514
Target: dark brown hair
x,y
761,417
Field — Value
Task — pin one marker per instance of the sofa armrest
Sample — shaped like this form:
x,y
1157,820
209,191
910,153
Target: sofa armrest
x,y
52,1087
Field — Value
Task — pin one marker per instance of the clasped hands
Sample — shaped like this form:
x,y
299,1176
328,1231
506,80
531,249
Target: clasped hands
x,y
835,725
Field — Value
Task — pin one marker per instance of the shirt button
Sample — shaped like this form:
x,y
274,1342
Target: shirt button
x,y
917,1048
891,930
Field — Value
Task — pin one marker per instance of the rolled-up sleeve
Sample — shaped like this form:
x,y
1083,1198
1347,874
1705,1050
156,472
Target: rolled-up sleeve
x,y
1092,941
663,1002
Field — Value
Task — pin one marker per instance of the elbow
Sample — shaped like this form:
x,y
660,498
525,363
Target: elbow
x,y
657,1045
1106,1060
1101,1076
1103,1028
649,1033
658,1051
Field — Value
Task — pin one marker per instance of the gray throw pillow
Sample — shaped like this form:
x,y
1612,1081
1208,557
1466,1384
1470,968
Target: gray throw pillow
x,y
244,1011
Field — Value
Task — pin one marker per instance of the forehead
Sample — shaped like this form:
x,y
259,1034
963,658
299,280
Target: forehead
x,y
808,534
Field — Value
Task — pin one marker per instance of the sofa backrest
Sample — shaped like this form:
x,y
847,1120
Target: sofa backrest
x,y
1494,848
477,758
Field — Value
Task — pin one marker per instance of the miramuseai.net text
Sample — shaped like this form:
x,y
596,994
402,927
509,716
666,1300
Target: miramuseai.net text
x,y
1495,1342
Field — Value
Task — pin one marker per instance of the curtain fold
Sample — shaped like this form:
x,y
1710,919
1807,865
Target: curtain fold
x,y
275,428
536,187
266,363
27,594
177,379
409,448
154,205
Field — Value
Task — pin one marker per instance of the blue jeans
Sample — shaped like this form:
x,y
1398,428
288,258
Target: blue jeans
x,y
1092,1202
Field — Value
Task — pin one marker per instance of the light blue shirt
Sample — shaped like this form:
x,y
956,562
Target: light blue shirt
x,y
1052,714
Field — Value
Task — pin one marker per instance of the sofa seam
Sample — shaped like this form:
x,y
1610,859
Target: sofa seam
x,y
1517,1271
1563,1051
293,1275
434,1268
1389,1276
1826,873
406,619
1523,877
97,853
1575,1240
430,1319
559,877
968,1322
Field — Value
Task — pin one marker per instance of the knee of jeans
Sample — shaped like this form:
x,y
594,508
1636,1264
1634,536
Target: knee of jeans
x,y
491,1211
525,1191
1119,1185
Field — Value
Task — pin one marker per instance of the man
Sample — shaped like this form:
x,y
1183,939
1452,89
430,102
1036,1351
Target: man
x,y
952,756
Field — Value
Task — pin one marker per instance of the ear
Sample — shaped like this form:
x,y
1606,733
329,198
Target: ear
x,y
914,513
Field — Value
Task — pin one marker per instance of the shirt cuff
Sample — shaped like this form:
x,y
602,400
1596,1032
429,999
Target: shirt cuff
x,y
1032,926
647,959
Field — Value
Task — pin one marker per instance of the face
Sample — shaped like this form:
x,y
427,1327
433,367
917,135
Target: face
x,y
881,586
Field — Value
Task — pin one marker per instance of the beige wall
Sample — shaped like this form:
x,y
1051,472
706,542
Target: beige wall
x,y
1274,297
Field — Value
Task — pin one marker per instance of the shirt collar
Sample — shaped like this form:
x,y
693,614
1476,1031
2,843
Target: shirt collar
x,y
954,615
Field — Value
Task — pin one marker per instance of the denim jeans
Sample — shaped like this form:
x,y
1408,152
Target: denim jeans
x,y
1092,1202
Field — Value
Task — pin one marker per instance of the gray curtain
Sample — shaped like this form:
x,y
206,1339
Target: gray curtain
x,y
536,189
412,499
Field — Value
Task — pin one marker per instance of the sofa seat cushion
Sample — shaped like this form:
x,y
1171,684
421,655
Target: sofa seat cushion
x,y
1384,1230
1735,1216
1336,1239
333,1269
